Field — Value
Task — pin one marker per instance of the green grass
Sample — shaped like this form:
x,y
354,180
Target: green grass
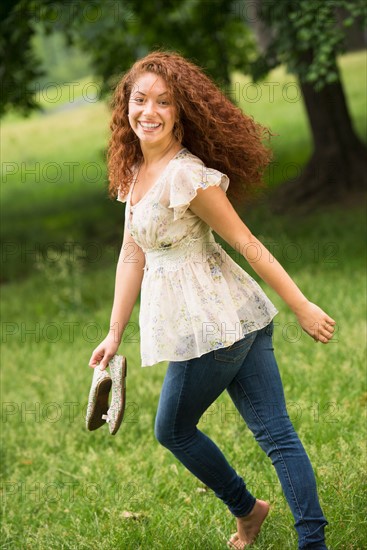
x,y
58,190
45,199
66,488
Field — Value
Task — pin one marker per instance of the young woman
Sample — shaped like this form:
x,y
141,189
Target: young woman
x,y
177,145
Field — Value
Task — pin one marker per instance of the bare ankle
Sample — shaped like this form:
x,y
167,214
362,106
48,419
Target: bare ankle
x,y
248,527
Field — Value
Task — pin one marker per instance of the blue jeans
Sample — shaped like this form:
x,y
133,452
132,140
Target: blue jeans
x,y
248,371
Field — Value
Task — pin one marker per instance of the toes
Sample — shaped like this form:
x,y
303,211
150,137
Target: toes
x,y
232,541
235,542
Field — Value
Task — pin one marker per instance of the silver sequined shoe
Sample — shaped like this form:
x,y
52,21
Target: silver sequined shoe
x,y
98,399
115,414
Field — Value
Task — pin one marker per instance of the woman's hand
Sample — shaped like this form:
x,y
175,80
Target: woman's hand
x,y
214,208
316,322
104,352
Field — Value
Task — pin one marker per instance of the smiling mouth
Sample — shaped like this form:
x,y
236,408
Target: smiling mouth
x,y
149,125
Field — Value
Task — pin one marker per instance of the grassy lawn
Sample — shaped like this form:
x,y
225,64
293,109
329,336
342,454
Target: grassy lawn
x,y
66,488
53,165
69,489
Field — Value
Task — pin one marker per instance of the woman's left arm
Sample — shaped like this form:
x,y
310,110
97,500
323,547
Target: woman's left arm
x,y
214,208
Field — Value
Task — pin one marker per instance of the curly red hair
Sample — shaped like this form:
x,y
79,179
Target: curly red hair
x,y
211,126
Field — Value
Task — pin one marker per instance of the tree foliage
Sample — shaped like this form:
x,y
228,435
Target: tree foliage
x,y
115,33
307,36
19,66
214,33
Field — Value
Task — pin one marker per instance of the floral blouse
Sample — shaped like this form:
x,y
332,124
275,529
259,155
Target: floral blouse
x,y
194,297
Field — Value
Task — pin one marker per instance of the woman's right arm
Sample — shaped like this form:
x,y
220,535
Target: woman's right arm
x,y
129,276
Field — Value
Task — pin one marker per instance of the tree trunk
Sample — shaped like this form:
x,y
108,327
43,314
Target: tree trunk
x,y
338,166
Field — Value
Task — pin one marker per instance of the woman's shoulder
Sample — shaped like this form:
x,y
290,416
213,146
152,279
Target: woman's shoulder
x,y
185,156
188,164
185,162
189,173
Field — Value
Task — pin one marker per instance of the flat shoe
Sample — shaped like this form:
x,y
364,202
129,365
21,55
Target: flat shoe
x,y
98,399
115,413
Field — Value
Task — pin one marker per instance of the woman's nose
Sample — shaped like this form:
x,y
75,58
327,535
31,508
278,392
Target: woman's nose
x,y
148,107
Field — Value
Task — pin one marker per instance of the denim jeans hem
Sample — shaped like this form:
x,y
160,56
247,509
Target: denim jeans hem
x,y
250,375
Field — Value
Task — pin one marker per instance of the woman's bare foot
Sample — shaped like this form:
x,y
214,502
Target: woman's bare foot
x,y
248,527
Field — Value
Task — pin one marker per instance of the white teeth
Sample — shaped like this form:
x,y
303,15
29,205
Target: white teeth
x,y
148,125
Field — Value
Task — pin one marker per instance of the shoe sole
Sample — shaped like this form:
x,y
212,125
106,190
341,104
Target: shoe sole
x,y
101,404
123,399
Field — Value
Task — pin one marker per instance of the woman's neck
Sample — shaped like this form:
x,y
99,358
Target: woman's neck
x,y
153,154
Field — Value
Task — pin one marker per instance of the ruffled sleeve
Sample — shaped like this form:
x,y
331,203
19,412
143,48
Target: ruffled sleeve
x,y
186,179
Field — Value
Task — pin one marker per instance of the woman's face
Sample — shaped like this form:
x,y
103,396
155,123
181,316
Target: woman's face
x,y
152,114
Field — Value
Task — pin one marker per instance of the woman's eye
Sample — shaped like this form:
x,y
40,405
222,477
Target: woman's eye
x,y
140,100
